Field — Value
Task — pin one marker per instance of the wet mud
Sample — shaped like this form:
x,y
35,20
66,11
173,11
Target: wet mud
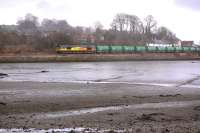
x,y
99,107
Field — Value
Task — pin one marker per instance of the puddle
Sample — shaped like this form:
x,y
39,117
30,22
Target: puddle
x,y
138,83
136,106
191,86
108,82
189,81
128,83
102,80
2,92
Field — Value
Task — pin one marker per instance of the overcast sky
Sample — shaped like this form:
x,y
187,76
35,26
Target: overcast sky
x,y
181,16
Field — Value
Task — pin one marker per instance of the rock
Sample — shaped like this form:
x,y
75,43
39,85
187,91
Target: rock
x,y
44,71
145,117
197,108
2,103
111,131
72,131
166,131
110,113
176,95
195,117
3,74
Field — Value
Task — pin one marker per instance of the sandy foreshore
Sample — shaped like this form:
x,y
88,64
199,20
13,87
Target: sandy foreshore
x,y
138,108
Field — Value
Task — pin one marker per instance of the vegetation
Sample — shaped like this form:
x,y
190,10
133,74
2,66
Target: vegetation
x,y
28,35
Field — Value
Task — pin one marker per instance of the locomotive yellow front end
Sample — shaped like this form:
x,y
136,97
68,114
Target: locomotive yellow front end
x,y
72,49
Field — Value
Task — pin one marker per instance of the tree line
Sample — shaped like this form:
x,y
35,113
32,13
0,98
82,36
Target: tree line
x,y
30,35
132,29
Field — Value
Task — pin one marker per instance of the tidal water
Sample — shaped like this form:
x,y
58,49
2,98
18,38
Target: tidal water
x,y
175,73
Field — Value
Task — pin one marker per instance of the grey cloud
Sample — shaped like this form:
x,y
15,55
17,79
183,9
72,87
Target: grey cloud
x,y
46,9
8,4
13,3
191,4
43,4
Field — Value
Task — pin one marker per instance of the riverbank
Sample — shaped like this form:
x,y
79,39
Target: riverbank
x,y
96,57
138,108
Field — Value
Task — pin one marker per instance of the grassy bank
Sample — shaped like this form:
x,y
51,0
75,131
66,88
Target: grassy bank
x,y
96,57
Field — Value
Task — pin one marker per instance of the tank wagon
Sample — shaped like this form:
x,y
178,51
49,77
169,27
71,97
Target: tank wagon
x,y
100,49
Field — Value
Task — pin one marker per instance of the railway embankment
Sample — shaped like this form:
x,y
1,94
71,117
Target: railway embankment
x,y
96,57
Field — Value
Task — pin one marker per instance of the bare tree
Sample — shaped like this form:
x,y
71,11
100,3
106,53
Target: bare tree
x,y
149,24
114,26
134,23
76,33
55,25
119,21
126,22
99,32
98,26
28,25
165,35
48,25
63,26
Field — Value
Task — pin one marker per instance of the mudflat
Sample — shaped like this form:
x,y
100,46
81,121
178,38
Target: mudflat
x,y
137,108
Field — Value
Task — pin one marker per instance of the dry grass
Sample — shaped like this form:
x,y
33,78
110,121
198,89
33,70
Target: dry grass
x,y
18,50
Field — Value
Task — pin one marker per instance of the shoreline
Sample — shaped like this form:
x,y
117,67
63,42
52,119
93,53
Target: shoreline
x,y
31,58
98,106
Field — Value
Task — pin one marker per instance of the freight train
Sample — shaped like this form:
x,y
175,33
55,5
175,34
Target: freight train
x,y
80,49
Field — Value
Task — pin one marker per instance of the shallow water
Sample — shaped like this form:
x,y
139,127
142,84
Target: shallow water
x,y
166,73
177,104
